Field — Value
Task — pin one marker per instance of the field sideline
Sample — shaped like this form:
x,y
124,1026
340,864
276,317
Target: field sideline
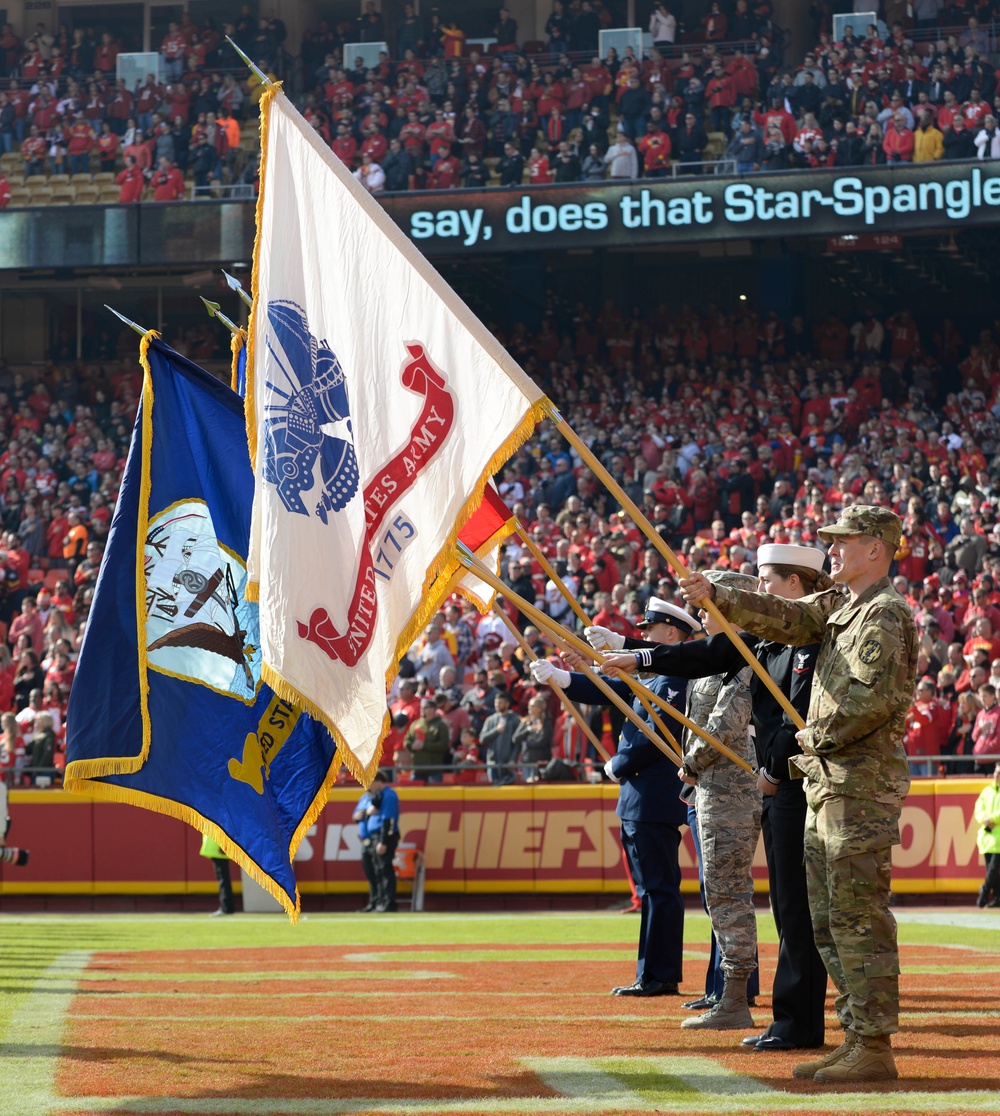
x,y
451,1013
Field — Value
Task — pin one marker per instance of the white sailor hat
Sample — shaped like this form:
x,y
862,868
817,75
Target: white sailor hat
x,y
659,611
788,554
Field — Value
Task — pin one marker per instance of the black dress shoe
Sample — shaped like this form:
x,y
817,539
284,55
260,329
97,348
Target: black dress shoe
x,y
647,988
382,908
773,1042
752,1040
366,908
701,1004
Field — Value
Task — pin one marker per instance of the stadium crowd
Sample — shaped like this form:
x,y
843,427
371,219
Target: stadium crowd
x,y
444,114
728,430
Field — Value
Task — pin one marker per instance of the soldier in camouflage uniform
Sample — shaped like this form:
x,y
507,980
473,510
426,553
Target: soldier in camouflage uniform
x,y
856,771
728,806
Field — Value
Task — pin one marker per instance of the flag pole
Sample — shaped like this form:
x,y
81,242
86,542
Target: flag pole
x,y
633,684
592,462
215,311
128,321
565,640
570,708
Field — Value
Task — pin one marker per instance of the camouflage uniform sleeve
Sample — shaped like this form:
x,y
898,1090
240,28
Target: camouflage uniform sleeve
x,y
866,685
795,622
728,722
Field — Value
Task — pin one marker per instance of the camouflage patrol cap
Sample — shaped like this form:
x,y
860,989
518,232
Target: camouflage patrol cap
x,y
866,519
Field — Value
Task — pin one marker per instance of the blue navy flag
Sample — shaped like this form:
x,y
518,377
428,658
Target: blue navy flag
x,y
167,709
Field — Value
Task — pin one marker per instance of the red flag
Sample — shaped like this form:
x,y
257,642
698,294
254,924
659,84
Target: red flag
x,y
489,525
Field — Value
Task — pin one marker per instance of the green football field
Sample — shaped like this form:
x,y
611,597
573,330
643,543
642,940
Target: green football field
x,y
441,1013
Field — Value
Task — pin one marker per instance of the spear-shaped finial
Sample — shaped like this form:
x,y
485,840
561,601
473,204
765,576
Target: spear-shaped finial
x,y
235,285
214,311
246,58
128,321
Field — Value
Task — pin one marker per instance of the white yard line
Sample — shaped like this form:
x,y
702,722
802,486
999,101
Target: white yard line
x,y
30,1055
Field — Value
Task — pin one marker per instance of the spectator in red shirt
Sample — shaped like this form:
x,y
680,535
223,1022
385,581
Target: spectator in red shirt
x,y
986,733
898,141
30,623
4,191
654,147
172,51
446,174
107,148
33,152
131,181
138,151
106,54
79,144
720,92
120,107
407,704
928,726
167,182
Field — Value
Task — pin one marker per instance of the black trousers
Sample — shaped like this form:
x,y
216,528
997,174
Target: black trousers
x,y
224,879
991,885
799,993
368,858
379,871
651,849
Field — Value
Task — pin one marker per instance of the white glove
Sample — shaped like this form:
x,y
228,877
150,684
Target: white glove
x,y
610,774
544,672
603,639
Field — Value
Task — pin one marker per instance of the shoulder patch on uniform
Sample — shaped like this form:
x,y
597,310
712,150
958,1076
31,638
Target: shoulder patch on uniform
x,y
800,662
870,651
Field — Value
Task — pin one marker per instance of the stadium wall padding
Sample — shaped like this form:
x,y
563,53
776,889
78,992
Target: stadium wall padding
x,y
477,839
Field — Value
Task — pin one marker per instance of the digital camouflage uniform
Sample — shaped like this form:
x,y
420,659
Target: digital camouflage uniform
x,y
728,804
856,771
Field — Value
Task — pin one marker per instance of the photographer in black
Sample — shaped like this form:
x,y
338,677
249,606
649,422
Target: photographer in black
x,y
377,815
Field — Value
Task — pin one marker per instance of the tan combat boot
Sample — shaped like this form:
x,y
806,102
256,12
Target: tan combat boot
x,y
870,1060
731,1013
811,1068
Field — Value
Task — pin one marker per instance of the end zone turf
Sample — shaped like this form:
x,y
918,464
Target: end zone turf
x,y
438,1014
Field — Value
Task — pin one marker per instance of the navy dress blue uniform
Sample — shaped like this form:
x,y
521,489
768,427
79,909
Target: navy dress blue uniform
x,y
651,815
799,989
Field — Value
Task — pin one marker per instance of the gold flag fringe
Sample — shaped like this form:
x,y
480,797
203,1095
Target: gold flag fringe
x,y
111,792
236,343
80,770
250,402
364,774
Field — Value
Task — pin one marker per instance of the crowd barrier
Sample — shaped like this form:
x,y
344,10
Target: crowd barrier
x,y
534,838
